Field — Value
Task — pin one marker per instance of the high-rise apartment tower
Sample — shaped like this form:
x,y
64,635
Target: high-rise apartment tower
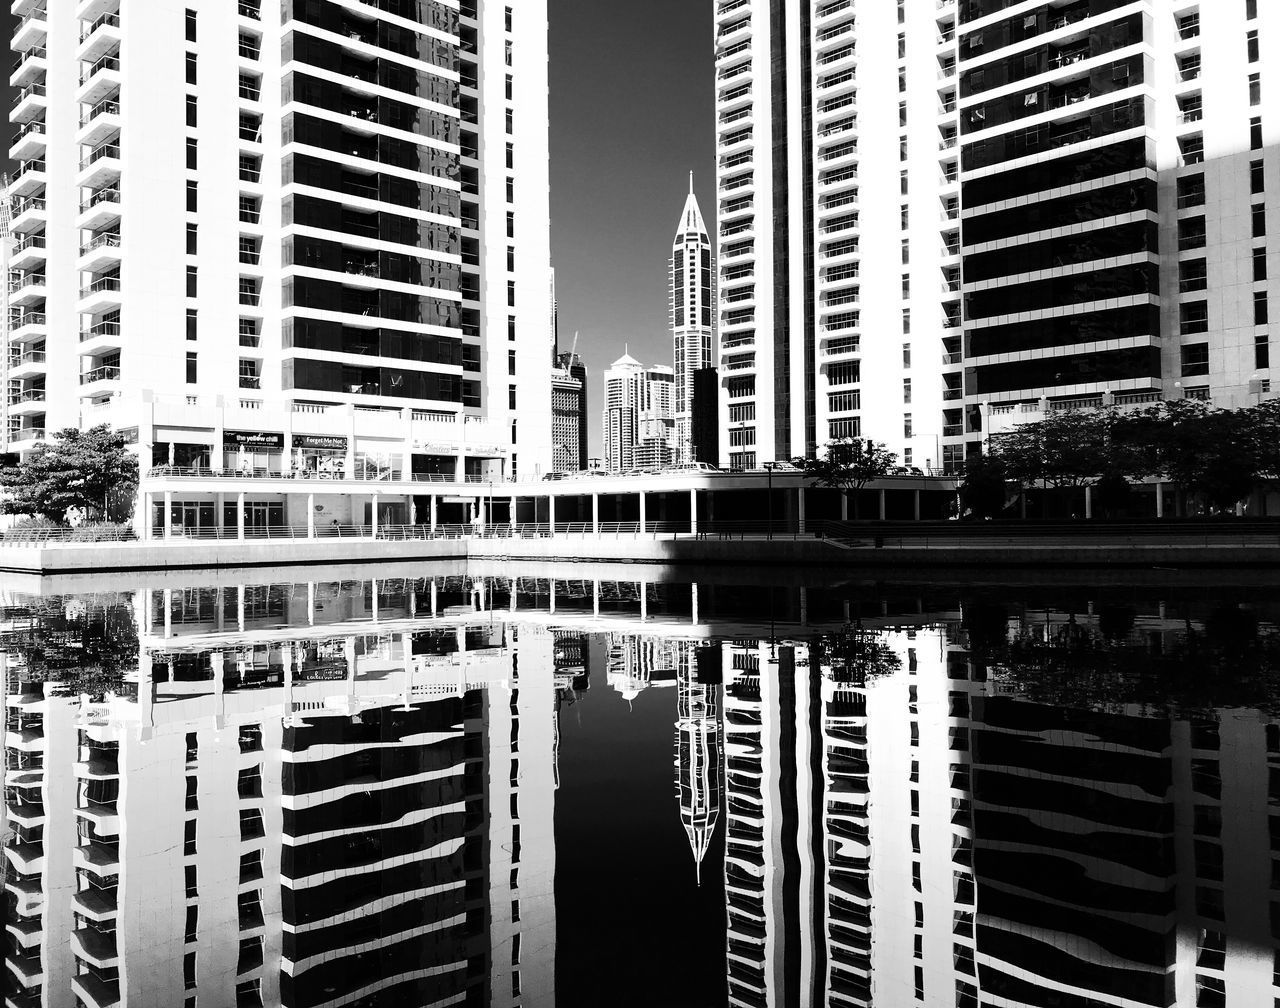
x,y
638,417
693,312
258,232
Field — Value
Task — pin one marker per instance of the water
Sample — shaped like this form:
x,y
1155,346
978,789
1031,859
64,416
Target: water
x,y
409,790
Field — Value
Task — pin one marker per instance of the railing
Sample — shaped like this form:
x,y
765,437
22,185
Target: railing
x,y
108,106
18,320
22,205
105,63
101,284
107,240
104,373
25,280
104,21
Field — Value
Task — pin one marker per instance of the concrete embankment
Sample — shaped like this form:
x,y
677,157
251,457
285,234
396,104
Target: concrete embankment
x,y
850,555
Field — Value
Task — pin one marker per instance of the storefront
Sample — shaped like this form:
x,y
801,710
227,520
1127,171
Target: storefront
x,y
253,452
319,456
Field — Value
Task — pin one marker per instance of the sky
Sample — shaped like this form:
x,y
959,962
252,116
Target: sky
x,y
632,113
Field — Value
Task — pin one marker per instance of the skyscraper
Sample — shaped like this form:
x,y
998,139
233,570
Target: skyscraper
x,y
692,315
569,413
269,228
638,415
1115,164
838,278
699,770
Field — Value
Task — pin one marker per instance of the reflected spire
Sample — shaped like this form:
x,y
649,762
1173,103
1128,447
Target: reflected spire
x,y
698,763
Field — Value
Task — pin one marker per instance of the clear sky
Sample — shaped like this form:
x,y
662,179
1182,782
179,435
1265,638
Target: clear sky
x,y
632,113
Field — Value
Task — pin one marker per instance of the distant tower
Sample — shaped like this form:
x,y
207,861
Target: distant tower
x,y
698,765
638,417
692,314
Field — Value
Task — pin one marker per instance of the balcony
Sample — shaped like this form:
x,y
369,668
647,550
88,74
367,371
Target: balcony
x,y
32,32
29,179
99,79
26,288
32,103
99,337
100,37
28,252
98,376
99,209
28,214
99,296
26,363
100,166
27,401
29,142
100,123
26,325
27,434
30,69
100,251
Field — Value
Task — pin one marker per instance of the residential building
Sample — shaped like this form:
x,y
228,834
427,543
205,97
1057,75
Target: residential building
x,y
837,228
270,235
1121,176
1083,195
638,416
569,413
693,311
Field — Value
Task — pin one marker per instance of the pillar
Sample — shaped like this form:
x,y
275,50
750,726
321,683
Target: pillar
x,y
515,593
644,602
693,603
1159,500
167,520
801,518
883,510
168,613
643,520
551,512
915,504
219,503
844,506
551,595
240,518
373,516
219,688
311,516
240,608
1088,502
432,509
693,512
311,603
433,596
413,510
804,606
595,514
373,599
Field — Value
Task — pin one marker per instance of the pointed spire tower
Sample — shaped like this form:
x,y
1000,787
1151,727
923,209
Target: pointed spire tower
x,y
693,312
699,780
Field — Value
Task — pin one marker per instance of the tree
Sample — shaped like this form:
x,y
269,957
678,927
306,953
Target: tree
x,y
91,469
1213,453
982,493
850,464
1112,494
1065,449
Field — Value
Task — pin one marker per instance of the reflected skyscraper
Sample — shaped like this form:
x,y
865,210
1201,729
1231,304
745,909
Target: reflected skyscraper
x,y
699,768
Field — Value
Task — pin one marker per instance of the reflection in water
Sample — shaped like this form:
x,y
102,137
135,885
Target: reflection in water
x,y
345,794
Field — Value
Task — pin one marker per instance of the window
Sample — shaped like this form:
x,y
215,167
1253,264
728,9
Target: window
x,y
511,327
191,110
847,428
1255,133
1255,89
742,413
906,355
742,436
1256,183
1192,149
906,321
1259,221
1251,45
906,390
192,158
250,378
192,281
1261,351
191,323
1259,265
1192,275
191,368
511,224
191,68
511,397
908,425
1194,317
844,373
511,293
1191,233
1260,308
192,243
193,196
844,402
1190,191
511,362
1195,359
191,26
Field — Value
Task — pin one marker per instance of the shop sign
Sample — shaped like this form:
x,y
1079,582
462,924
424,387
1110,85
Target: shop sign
x,y
253,440
324,441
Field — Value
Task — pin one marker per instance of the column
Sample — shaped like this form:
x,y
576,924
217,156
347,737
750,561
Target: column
x,y
595,598
168,613
219,688
1159,500
167,523
551,595
551,512
801,517
515,592
433,596
915,503
844,506
883,510
311,516
373,599
240,515
804,606
693,603
644,602
432,509
413,510
693,512
595,514
240,608
147,518
373,515
219,519
643,519
1088,502
311,603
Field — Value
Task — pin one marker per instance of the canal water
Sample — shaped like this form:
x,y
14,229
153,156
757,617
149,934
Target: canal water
x,y
501,788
